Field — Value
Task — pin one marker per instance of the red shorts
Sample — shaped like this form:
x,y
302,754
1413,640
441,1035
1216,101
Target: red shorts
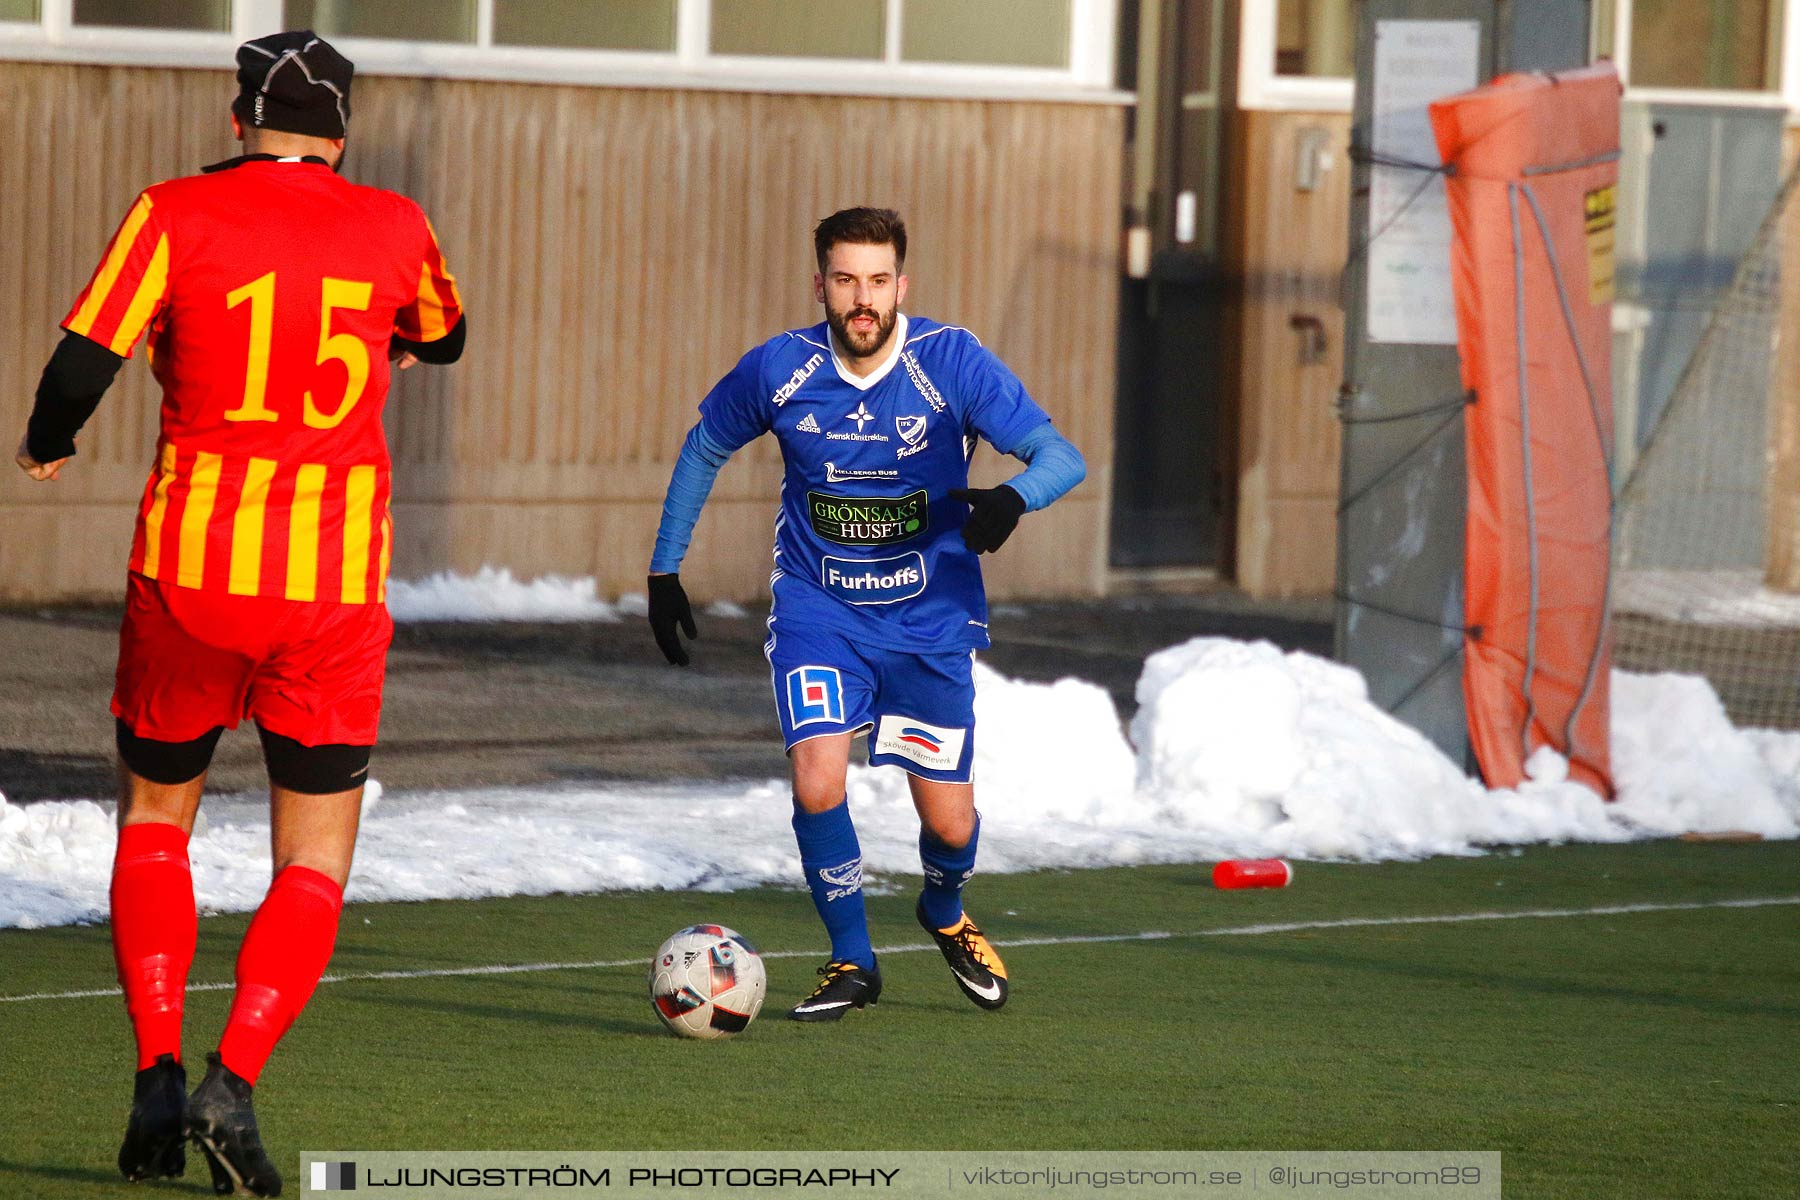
x,y
190,660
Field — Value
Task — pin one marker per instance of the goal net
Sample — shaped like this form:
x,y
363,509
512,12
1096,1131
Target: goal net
x,y
1707,518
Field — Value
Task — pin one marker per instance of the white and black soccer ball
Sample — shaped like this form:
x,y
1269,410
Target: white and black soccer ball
x,y
707,981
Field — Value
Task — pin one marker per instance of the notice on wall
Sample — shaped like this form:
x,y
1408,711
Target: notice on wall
x,y
1410,298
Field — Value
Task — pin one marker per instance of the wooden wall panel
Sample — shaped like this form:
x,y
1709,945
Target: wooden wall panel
x,y
617,249
1783,572
1290,247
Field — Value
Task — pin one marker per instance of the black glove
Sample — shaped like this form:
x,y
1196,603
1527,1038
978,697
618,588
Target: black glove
x,y
669,608
993,514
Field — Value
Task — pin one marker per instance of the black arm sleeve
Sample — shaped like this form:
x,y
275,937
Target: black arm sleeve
x,y
445,350
74,379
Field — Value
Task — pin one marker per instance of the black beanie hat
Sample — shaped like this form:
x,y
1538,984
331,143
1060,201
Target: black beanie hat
x,y
295,82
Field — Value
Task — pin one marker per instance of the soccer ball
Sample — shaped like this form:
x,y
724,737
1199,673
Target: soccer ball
x,y
706,981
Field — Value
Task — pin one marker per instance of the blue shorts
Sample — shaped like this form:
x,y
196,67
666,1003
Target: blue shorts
x,y
918,709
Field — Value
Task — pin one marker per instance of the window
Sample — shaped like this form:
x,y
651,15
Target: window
x,y
800,28
974,49
1315,37
1024,33
1296,55
586,24
439,21
1722,45
209,15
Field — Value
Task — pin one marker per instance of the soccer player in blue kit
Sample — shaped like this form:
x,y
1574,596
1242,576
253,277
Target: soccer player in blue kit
x,y
877,605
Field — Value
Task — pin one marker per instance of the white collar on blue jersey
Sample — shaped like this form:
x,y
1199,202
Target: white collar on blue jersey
x,y
863,383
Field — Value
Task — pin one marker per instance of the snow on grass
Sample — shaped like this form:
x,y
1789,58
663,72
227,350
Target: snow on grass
x,y
1240,750
492,594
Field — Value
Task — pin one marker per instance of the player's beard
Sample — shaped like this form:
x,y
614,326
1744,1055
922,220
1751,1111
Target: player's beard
x,y
862,345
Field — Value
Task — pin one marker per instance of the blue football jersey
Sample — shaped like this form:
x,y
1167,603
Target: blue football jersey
x,y
867,540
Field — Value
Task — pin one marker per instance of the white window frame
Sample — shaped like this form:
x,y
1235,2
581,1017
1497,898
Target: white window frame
x,y
1790,59
1087,79
1786,93
1259,87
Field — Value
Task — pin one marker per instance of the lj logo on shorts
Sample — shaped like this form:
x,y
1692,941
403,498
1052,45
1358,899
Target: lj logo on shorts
x,y
874,580
815,694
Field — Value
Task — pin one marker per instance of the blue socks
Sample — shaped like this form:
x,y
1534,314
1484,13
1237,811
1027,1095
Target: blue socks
x,y
946,870
832,859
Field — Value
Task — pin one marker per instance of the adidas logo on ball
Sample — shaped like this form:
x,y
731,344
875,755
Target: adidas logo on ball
x,y
707,981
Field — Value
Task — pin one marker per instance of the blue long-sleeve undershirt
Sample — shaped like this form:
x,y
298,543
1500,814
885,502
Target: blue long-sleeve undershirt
x,y
1052,466
695,471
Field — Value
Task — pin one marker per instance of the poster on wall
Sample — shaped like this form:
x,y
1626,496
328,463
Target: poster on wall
x,y
1416,62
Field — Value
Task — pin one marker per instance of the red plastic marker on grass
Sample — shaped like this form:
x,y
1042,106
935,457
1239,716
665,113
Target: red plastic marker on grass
x,y
1252,873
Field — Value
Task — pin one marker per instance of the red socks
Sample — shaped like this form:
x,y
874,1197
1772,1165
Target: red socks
x,y
154,928
282,958
153,931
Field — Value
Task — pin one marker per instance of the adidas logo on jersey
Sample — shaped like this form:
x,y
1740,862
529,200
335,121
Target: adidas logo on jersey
x,y
808,425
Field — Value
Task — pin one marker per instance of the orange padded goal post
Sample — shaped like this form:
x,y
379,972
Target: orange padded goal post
x,y
1532,166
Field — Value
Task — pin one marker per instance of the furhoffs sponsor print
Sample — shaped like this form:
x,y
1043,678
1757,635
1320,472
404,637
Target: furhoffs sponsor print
x,y
873,580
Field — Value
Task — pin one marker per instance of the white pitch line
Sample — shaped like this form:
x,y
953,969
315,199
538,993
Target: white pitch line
x,y
1525,914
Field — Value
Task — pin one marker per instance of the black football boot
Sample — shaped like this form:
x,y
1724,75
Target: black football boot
x,y
155,1134
222,1123
845,986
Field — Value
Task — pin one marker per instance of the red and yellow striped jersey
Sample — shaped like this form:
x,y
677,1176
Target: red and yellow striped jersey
x,y
269,291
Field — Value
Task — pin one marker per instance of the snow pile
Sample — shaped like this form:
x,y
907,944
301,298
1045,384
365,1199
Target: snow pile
x,y
55,863
1242,751
1680,764
1284,754
1781,752
494,595
1054,785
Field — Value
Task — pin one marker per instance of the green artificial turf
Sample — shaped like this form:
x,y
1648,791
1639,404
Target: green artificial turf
x,y
1631,1054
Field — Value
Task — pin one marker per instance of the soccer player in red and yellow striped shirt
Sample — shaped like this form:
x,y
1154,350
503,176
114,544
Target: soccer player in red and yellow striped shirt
x,y
272,293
